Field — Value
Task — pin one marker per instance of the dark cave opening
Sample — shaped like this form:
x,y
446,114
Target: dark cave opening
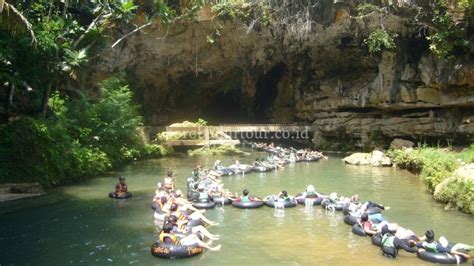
x,y
267,92
225,108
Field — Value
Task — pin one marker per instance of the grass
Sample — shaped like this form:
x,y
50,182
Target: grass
x,y
217,150
436,167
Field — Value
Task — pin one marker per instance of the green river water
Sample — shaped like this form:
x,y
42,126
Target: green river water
x,y
79,224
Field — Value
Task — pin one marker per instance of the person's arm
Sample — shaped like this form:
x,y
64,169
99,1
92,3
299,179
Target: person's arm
x,y
368,229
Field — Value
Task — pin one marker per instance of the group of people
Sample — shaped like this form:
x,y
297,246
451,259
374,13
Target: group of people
x,y
177,221
392,237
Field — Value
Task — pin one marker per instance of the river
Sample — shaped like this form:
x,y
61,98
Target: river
x,y
79,224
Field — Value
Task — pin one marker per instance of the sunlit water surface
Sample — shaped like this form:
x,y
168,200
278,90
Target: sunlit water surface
x,y
79,224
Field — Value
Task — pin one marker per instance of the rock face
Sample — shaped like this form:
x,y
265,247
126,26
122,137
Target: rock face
x,y
399,144
317,73
375,158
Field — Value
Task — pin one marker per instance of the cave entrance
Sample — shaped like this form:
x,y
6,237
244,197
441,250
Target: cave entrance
x,y
225,108
267,92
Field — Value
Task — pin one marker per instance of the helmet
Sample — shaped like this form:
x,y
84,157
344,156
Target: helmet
x,y
122,177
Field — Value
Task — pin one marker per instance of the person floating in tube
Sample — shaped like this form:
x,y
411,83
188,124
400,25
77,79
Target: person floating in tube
x,y
121,188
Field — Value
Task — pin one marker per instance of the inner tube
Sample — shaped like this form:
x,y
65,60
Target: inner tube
x,y
259,168
154,206
124,196
167,251
286,203
441,258
377,240
204,205
218,200
327,204
373,210
358,230
247,205
350,219
316,201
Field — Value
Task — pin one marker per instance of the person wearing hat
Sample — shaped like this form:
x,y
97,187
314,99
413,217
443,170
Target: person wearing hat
x,y
203,195
121,188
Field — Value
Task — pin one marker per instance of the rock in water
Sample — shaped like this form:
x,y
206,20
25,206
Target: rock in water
x,y
399,144
378,158
375,158
358,158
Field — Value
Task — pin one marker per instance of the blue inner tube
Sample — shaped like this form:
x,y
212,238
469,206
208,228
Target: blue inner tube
x,y
167,251
358,230
204,205
350,219
441,258
124,196
247,205
286,203
218,200
316,201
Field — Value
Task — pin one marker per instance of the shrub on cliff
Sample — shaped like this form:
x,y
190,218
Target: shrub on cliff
x,y
458,190
379,40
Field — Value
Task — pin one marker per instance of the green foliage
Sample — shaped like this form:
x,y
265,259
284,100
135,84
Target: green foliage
x,y
367,8
229,9
81,138
217,150
448,36
458,194
467,155
434,165
379,40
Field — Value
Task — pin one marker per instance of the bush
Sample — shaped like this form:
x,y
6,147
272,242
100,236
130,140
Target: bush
x,y
379,40
81,138
367,8
433,165
458,194
217,150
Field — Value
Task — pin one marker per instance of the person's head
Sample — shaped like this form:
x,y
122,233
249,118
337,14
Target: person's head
x,y
245,192
200,188
167,228
364,217
355,198
310,188
284,193
430,235
169,173
163,199
172,219
122,179
384,230
173,207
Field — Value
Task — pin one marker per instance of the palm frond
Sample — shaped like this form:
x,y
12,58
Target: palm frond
x,y
13,20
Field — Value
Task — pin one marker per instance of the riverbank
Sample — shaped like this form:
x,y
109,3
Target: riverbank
x,y
448,174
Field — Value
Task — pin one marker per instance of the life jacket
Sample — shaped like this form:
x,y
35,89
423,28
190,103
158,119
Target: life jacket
x,y
432,247
245,199
172,237
121,188
388,247
203,197
168,183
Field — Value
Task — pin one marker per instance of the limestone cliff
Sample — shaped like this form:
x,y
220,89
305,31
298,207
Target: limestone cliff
x,y
315,69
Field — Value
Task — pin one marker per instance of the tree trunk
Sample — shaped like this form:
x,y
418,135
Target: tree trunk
x,y
8,104
44,101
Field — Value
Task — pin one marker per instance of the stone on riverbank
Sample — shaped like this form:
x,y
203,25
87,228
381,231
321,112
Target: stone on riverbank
x,y
16,191
375,158
398,144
